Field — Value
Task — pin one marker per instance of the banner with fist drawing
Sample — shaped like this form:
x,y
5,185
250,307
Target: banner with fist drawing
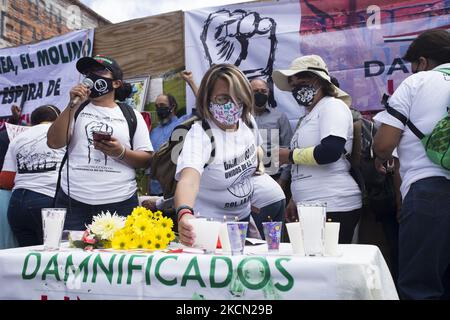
x,y
253,36
362,44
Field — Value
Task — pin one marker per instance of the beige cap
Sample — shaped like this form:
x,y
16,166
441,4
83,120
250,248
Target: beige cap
x,y
311,63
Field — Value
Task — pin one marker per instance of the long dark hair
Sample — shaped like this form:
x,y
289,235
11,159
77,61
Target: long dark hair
x,y
431,44
44,113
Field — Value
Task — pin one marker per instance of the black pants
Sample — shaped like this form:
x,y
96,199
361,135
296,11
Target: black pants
x,y
80,214
424,241
348,221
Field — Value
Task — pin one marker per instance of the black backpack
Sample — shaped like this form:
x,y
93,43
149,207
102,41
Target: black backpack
x,y
163,167
377,189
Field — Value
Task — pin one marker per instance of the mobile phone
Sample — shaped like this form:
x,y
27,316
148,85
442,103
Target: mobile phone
x,y
101,135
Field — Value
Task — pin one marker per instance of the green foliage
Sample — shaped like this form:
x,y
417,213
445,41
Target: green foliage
x,y
141,180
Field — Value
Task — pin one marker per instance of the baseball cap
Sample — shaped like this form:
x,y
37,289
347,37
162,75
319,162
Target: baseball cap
x,y
87,63
310,63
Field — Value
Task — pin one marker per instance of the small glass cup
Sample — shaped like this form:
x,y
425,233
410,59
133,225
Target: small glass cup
x,y
272,234
237,232
52,225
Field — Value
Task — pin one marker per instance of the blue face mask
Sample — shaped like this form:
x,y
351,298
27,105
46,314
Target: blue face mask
x,y
304,94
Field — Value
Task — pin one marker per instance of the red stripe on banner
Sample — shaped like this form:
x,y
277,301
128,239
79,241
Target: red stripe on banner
x,y
390,87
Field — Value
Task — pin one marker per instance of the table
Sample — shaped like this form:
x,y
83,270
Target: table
x,y
359,272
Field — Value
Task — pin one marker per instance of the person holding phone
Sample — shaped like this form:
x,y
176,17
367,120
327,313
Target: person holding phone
x,y
102,155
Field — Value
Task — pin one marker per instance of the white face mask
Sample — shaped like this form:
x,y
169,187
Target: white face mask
x,y
227,114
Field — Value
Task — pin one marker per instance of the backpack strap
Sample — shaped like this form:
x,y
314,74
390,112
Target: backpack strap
x,y
130,116
401,118
64,159
207,128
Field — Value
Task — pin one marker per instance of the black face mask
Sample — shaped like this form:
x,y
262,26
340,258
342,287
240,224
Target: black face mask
x,y
163,112
101,86
261,99
304,94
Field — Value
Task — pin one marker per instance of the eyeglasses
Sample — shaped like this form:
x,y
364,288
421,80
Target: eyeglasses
x,y
162,105
224,99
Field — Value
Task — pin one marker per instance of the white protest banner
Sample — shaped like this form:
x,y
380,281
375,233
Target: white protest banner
x,y
43,72
256,37
14,131
362,44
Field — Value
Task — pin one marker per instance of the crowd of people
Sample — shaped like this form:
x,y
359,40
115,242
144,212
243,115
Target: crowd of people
x,y
231,167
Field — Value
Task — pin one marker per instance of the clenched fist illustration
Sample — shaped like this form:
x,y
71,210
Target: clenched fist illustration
x,y
229,37
92,127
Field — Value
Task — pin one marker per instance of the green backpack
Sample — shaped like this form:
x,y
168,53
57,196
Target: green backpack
x,y
437,143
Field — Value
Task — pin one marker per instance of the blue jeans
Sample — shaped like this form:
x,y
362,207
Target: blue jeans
x,y
424,240
24,216
80,214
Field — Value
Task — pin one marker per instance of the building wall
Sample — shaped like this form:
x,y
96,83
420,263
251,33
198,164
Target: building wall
x,y
27,21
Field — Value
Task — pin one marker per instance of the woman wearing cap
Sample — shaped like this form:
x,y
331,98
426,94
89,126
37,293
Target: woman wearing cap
x,y
224,187
101,174
320,170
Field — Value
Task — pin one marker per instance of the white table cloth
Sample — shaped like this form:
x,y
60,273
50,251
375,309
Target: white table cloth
x,y
359,272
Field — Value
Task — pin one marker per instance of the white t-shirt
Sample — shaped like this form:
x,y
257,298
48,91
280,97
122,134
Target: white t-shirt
x,y
267,191
330,183
35,164
94,177
226,187
423,98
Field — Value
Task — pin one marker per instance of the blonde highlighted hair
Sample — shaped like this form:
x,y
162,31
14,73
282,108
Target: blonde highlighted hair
x,y
240,89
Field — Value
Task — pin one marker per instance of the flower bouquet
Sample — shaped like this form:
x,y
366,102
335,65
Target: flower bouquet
x,y
142,229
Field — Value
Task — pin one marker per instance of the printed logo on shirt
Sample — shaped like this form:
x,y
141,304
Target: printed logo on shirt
x,y
31,161
242,166
96,156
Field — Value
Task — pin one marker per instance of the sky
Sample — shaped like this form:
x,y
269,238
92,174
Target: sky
x,y
120,10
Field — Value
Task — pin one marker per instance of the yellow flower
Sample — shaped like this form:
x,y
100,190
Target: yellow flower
x,y
159,245
169,235
139,211
166,222
157,214
149,242
158,233
120,241
139,243
130,221
141,226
